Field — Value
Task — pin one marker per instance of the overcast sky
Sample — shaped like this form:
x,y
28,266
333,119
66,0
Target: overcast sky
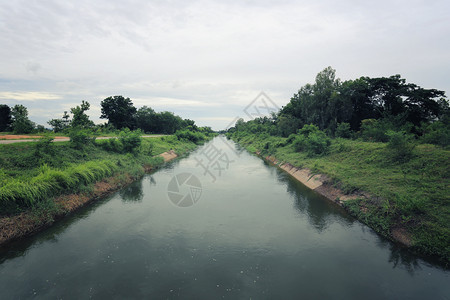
x,y
207,60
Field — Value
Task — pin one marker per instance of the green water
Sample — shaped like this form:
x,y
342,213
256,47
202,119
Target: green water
x,y
253,232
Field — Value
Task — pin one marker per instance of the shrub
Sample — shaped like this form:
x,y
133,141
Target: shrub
x,y
436,133
130,140
343,131
312,140
44,145
374,130
400,145
80,137
193,136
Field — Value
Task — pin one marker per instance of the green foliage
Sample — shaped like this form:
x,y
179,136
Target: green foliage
x,y
79,138
312,140
119,111
51,181
130,140
343,130
401,145
5,117
193,136
437,133
44,145
21,123
374,131
412,195
80,118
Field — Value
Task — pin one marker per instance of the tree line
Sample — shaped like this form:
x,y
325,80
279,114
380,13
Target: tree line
x,y
118,110
367,108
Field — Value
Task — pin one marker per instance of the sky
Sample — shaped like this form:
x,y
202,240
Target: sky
x,y
209,60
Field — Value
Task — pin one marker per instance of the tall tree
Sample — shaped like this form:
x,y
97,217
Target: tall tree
x,y
5,117
145,119
80,118
119,111
21,123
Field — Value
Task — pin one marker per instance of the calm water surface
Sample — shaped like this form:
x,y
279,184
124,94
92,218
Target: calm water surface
x,y
253,233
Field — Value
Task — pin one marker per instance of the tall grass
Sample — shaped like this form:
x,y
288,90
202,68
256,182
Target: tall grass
x,y
52,181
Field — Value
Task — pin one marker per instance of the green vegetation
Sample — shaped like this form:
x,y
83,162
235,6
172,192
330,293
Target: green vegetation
x,y
409,194
369,135
33,172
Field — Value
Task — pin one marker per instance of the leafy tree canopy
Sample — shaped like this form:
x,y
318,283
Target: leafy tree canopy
x,y
119,111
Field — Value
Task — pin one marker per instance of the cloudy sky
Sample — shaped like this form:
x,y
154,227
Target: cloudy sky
x,y
207,60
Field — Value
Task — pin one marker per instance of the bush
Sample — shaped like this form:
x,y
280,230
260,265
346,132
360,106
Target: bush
x,y
343,131
312,140
193,136
44,145
436,133
374,130
131,140
400,145
80,137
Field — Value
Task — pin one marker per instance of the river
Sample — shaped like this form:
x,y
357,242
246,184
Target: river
x,y
219,223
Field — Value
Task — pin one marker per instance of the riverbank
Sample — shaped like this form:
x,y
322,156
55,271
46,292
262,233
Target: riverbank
x,y
405,202
86,175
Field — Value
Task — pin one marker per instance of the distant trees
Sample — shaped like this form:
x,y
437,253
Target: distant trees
x,y
5,117
119,111
60,125
20,121
329,102
367,108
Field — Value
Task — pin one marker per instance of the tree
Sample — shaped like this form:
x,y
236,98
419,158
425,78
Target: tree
x,y
119,111
80,119
57,124
5,117
145,119
60,124
21,123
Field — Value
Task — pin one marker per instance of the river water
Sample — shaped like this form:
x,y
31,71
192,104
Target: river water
x,y
220,223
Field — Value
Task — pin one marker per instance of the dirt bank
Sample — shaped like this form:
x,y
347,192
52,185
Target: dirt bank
x,y
29,222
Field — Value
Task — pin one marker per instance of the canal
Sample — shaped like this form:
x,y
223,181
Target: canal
x,y
219,223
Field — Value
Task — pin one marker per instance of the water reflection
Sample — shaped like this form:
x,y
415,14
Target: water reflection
x,y
132,193
20,247
320,211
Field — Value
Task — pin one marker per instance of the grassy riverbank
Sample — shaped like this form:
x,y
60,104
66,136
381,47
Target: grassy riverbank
x,y
38,178
410,197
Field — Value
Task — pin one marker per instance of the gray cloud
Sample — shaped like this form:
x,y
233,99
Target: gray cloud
x,y
218,53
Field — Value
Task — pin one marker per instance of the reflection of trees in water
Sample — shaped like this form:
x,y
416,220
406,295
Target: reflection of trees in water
x,y
21,246
399,256
132,192
319,212
151,180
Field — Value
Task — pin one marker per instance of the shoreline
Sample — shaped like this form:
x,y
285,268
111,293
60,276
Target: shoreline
x,y
28,223
321,184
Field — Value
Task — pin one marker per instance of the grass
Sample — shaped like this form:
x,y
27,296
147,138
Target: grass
x,y
33,172
413,195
